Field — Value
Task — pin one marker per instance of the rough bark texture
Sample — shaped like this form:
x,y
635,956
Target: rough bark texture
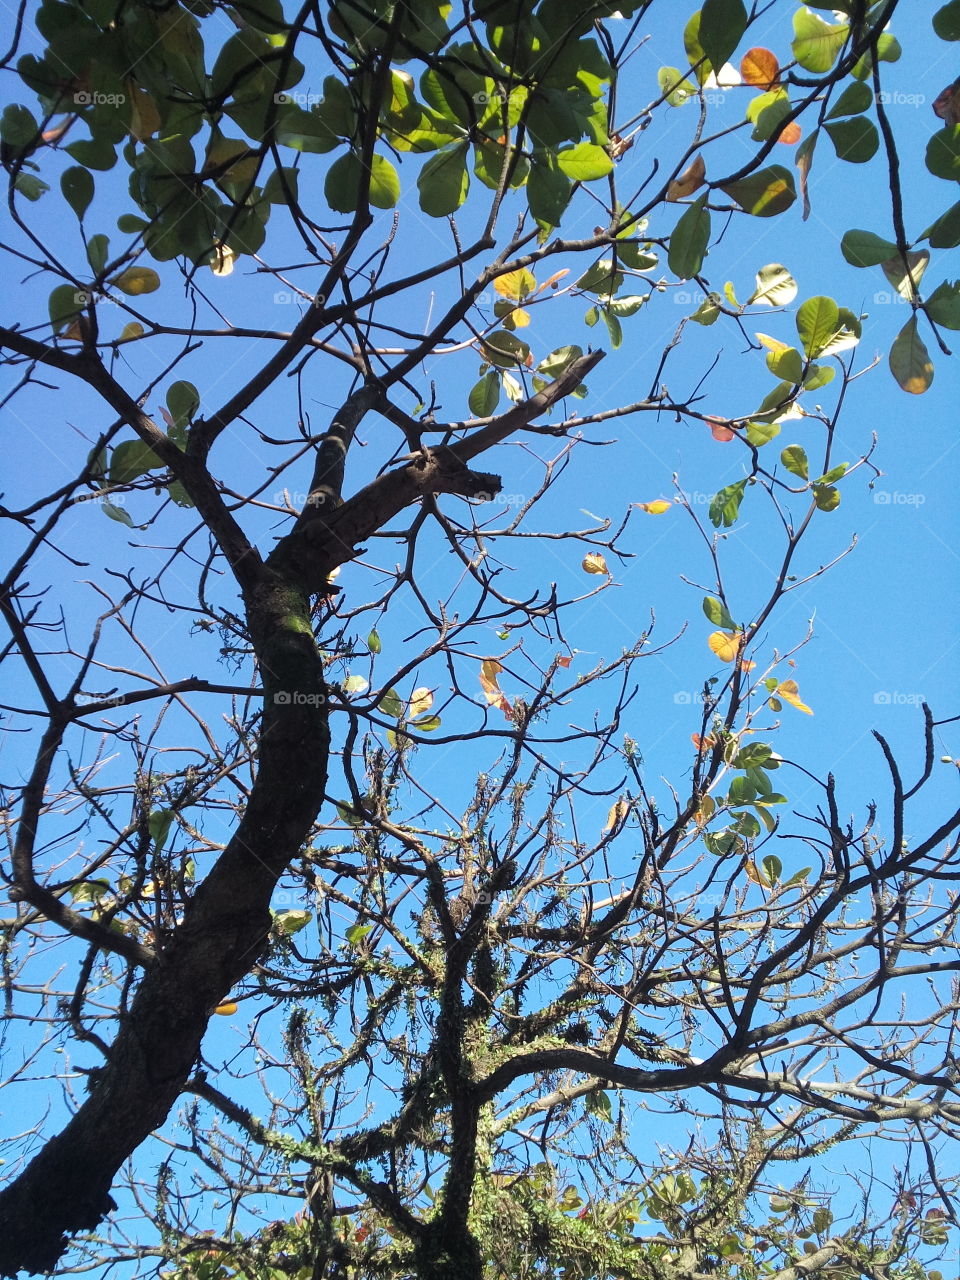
x,y
66,1187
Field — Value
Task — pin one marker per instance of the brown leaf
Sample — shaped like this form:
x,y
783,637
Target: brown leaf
x,y
689,181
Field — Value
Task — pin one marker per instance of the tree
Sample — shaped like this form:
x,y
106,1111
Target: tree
x,y
469,984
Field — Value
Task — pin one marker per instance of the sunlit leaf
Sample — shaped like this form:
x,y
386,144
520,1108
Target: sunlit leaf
x,y
788,691
910,361
689,240
760,68
617,815
655,508
794,458
593,562
226,1009
136,281
764,193
689,181
818,320
725,644
421,700
775,286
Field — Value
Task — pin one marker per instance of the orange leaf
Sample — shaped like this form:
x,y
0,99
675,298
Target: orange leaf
x,y
617,815
789,692
745,665
760,68
720,431
706,743
655,508
689,181
564,661
489,670
225,1009
725,644
593,562
791,134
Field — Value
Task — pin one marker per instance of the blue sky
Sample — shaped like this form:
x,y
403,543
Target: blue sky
x,y
884,619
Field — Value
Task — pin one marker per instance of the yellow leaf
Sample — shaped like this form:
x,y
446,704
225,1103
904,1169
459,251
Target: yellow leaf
x,y
137,280
705,810
490,668
745,665
593,562
789,692
421,700
223,260
655,508
689,181
772,344
725,644
225,1009
617,815
515,284
755,874
520,318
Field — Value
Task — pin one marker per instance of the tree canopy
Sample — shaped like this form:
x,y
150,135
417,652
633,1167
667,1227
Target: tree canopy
x,y
366,920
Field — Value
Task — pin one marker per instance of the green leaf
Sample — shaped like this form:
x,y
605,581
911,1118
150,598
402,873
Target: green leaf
x,y
775,285
847,335
131,459
943,305
18,127
772,867
708,311
761,433
767,112
816,43
93,153
716,612
946,21
373,642
689,240
636,256
64,304
98,247
159,824
864,249
855,98
128,223
614,328
598,1104
504,350
77,187
906,276
384,183
722,24
818,375
30,186
835,473
356,933
183,401
787,365
426,724
443,182
553,365
794,458
818,320
675,86
945,232
764,193
725,506
548,188
485,395
287,923
116,513
391,704
826,497
137,280
854,140
585,162
341,187
943,153
601,278
910,361
304,131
